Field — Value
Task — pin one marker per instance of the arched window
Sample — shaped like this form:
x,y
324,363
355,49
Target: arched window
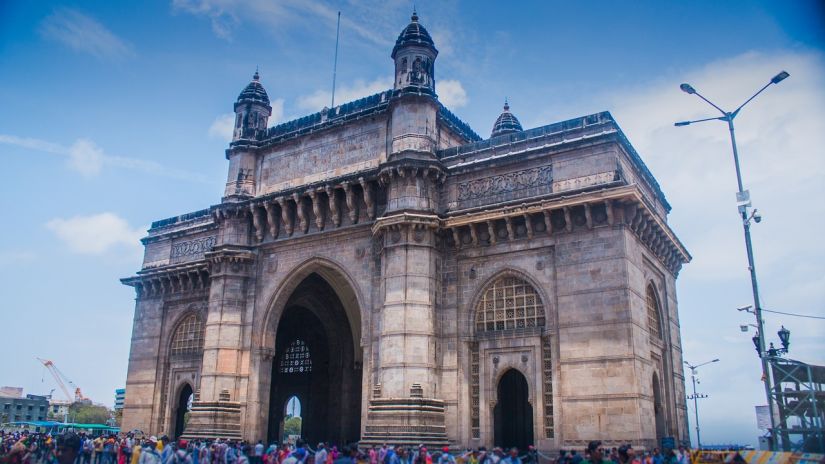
x,y
296,359
654,318
188,337
509,303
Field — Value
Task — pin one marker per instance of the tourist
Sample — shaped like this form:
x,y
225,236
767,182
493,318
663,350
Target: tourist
x,y
149,454
67,448
683,456
446,457
657,457
390,456
512,457
595,453
321,454
422,457
373,455
532,456
136,449
575,457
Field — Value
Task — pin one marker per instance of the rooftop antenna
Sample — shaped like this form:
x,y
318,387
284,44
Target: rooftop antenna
x,y
335,65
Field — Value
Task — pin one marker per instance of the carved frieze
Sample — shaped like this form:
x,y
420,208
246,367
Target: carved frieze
x,y
512,185
195,248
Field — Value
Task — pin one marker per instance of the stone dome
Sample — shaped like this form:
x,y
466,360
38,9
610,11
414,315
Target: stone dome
x,y
507,123
254,92
414,34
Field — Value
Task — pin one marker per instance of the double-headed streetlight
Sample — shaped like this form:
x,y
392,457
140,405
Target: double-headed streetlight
x,y
696,397
743,203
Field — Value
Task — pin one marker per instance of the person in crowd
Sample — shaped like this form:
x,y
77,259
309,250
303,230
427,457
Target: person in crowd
x,y
595,453
446,457
321,454
67,447
136,449
657,457
512,457
149,454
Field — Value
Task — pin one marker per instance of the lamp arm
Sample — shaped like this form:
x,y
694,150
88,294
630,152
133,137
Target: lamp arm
x,y
733,115
711,103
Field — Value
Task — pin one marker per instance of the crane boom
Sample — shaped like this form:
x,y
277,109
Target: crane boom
x,y
60,377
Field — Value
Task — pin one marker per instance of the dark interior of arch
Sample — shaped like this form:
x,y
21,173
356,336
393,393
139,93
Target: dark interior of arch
x,y
328,384
181,408
513,415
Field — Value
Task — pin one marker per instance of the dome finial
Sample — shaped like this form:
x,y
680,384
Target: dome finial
x,y
414,16
506,104
256,77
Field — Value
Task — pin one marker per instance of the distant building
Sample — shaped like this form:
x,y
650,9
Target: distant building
x,y
120,397
11,392
59,409
30,408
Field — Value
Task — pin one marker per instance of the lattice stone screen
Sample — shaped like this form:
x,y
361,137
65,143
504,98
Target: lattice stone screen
x,y
296,359
188,337
653,313
509,303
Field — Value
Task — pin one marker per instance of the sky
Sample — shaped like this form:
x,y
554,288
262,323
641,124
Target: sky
x,y
115,114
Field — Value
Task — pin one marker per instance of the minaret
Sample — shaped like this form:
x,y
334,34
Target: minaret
x,y
404,407
252,112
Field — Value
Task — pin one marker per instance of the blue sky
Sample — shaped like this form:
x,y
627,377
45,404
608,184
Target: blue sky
x,y
114,114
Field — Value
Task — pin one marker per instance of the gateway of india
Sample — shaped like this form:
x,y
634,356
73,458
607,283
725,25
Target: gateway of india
x,y
412,282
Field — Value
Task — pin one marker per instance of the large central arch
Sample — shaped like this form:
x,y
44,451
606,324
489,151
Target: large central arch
x,y
317,356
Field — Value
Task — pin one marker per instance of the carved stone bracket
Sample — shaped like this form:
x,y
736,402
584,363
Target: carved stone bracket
x,y
169,280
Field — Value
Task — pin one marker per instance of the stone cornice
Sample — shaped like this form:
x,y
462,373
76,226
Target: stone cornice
x,y
171,279
619,205
416,220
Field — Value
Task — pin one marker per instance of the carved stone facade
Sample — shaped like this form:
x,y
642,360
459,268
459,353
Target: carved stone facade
x,y
412,283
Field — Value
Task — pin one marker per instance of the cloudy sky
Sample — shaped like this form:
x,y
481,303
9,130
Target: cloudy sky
x,y
115,114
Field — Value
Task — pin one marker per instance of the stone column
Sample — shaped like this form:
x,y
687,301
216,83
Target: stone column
x,y
216,412
405,408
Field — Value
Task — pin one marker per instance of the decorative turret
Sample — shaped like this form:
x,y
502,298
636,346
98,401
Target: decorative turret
x,y
252,110
507,123
414,54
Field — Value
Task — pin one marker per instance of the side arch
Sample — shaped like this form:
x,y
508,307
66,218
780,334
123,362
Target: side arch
x,y
509,272
653,306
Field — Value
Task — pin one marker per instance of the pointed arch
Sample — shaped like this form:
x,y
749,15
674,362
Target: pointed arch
x,y
187,337
654,311
508,301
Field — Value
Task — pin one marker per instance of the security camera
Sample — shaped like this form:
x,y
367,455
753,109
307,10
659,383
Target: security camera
x,y
756,216
743,328
744,308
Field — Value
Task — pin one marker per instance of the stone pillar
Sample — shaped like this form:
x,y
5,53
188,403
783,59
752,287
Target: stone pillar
x,y
405,408
216,413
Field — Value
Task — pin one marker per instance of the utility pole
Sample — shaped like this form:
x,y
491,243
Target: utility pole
x,y
696,397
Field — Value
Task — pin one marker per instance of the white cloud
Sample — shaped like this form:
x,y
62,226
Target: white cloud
x,y
95,234
779,139
226,15
223,125
451,93
86,158
83,33
344,94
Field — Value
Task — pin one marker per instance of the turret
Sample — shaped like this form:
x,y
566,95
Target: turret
x,y
414,54
507,123
252,113
252,110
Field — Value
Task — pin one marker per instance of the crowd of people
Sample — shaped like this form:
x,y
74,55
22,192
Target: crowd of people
x,y
72,448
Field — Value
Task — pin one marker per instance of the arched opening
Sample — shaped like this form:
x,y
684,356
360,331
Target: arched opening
x,y
182,408
654,312
658,409
315,361
292,420
513,415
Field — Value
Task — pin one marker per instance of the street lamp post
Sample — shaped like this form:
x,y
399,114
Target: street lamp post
x,y
696,397
743,201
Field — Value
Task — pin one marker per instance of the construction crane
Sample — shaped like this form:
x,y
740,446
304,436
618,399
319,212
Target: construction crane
x,y
62,380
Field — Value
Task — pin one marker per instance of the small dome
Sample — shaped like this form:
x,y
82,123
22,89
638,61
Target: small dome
x,y
414,34
254,92
506,123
